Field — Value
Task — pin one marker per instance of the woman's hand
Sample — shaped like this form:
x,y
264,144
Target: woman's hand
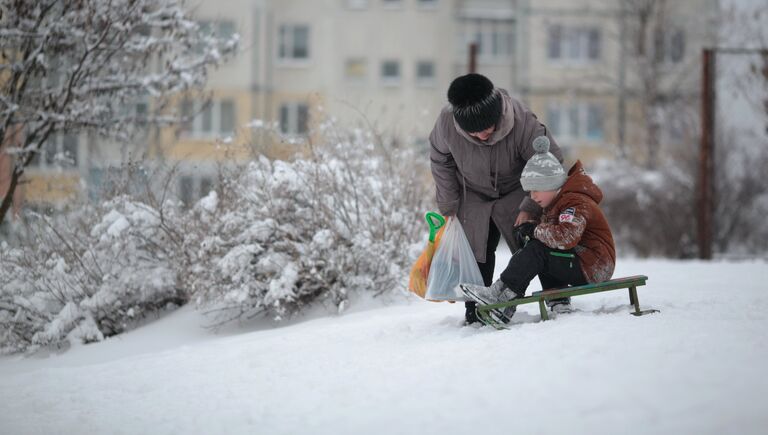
x,y
522,217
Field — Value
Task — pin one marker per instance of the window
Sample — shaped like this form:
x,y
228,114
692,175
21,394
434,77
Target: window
x,y
573,44
356,4
495,38
221,30
105,180
294,42
96,183
206,185
207,118
205,28
60,150
141,111
217,117
392,4
594,123
356,69
670,46
577,121
677,125
226,29
294,118
227,116
302,118
390,72
186,109
427,4
425,72
186,189
68,148
193,187
56,72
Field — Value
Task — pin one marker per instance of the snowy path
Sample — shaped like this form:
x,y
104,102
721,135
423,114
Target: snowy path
x,y
698,367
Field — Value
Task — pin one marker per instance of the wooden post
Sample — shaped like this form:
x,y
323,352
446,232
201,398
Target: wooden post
x,y
706,155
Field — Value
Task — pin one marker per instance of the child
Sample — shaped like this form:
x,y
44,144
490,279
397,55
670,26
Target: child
x,y
571,245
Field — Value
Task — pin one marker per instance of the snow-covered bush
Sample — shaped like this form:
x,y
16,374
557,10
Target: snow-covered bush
x,y
650,211
88,274
274,237
653,212
279,235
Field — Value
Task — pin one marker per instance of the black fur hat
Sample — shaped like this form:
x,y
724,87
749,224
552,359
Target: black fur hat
x,y
476,103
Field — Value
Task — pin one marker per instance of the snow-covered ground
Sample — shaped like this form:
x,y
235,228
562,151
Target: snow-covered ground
x,y
698,367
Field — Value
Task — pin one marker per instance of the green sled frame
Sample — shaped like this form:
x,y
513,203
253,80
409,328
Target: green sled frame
x,y
631,283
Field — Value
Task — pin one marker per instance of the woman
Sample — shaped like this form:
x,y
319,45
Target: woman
x,y
479,146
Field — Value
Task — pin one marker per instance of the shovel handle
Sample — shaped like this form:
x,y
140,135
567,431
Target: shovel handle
x,y
435,222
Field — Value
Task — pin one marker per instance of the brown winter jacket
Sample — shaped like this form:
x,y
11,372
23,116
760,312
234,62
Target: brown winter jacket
x,y
480,180
574,221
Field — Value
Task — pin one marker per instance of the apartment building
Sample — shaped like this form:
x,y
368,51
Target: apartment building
x,y
595,70
387,64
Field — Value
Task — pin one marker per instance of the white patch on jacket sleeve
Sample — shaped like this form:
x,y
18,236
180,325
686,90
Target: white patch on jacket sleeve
x,y
561,236
567,215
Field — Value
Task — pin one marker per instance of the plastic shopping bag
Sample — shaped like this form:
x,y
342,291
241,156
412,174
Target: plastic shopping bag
x,y
417,282
453,263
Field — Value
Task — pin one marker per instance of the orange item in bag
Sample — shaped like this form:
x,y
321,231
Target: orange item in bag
x,y
420,270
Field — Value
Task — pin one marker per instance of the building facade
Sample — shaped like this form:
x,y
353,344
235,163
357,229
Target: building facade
x,y
593,71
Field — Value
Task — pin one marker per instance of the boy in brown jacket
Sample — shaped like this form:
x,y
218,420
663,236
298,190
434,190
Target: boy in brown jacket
x,y
571,245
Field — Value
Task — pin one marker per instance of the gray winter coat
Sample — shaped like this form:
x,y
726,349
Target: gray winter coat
x,y
480,180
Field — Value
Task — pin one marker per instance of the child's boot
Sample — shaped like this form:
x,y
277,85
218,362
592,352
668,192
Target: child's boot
x,y
496,293
562,305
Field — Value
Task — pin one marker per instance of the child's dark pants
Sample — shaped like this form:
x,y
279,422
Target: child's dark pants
x,y
486,269
554,267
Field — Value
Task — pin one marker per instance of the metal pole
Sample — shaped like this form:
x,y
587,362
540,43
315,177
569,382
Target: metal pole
x,y
706,155
473,57
621,115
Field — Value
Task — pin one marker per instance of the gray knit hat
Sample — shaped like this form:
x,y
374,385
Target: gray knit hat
x,y
543,171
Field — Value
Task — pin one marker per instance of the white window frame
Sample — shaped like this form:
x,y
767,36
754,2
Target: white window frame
x,y
563,128
357,5
197,177
354,80
293,118
109,176
196,130
667,46
581,36
392,5
42,163
216,28
428,5
486,31
391,82
291,61
220,127
430,81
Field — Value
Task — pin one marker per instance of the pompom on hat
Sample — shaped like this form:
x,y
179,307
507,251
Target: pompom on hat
x,y
543,172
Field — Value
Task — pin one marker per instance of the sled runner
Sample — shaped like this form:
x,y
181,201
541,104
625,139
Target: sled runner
x,y
631,283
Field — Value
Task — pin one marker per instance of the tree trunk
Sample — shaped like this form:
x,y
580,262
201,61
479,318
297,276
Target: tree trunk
x,y
8,198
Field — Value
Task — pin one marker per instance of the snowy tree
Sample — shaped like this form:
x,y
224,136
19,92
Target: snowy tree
x,y
275,237
280,235
89,274
662,66
72,66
